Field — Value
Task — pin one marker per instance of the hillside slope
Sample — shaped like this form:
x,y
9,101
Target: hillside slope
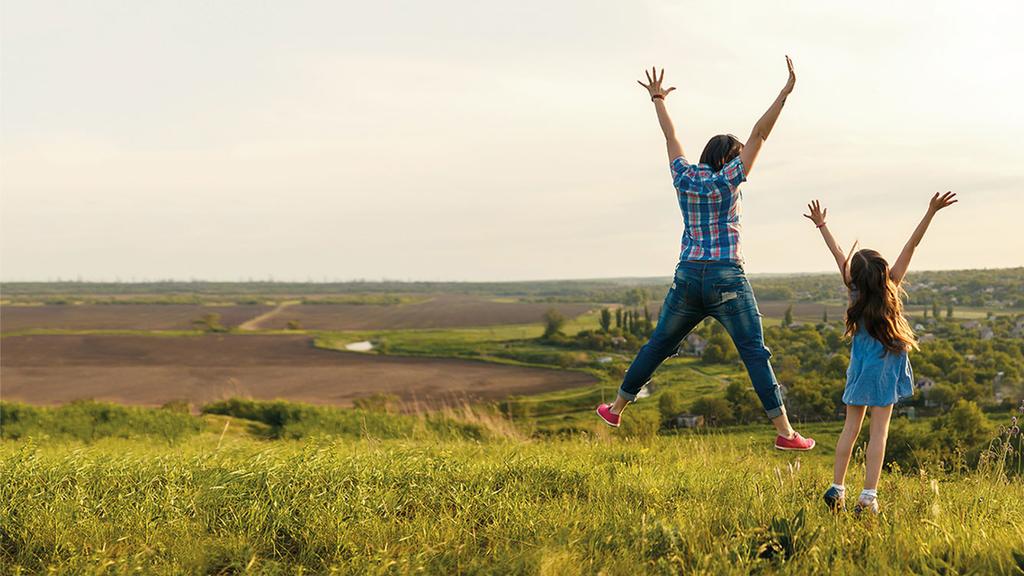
x,y
721,504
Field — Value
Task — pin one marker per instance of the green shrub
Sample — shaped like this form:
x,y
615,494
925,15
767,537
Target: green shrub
x,y
746,407
87,420
670,404
553,323
642,424
716,411
179,406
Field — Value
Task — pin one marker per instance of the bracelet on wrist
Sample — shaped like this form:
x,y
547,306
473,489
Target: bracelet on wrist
x,y
819,225
657,97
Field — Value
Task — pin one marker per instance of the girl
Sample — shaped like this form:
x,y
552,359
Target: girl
x,y
879,375
709,279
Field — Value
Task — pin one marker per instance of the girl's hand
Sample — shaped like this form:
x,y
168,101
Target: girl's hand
x,y
788,88
654,84
939,202
817,215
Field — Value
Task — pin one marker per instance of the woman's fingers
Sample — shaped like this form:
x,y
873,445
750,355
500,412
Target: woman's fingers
x,y
642,84
662,77
648,74
670,89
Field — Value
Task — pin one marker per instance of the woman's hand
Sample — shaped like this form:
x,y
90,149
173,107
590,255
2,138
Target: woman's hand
x,y
817,215
654,84
939,202
764,126
788,88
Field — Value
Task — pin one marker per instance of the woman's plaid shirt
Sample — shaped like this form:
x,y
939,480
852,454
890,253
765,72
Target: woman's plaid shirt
x,y
711,207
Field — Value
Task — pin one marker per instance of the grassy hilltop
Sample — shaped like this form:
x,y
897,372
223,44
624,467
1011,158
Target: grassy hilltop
x,y
520,482
464,492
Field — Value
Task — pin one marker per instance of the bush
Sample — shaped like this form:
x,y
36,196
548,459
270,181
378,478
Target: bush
x,y
179,406
943,395
642,424
87,421
720,349
955,440
670,404
553,322
746,406
716,411
964,428
809,400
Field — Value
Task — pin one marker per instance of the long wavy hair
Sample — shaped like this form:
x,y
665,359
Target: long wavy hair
x,y
879,303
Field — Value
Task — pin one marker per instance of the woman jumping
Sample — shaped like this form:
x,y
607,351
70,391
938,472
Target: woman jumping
x,y
709,279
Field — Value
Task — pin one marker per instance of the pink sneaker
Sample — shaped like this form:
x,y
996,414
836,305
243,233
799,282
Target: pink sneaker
x,y
606,414
797,442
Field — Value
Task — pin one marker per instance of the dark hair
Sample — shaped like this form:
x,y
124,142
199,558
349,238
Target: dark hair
x,y
720,150
878,306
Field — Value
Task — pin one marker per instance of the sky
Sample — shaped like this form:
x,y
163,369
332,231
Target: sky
x,y
469,140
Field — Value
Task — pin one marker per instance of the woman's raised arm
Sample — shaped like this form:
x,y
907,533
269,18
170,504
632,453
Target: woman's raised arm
x,y
658,94
764,126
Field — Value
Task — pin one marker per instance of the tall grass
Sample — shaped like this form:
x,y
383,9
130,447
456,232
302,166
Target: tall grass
x,y
387,489
383,420
717,505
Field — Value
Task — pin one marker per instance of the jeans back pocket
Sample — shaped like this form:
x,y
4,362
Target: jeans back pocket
x,y
734,294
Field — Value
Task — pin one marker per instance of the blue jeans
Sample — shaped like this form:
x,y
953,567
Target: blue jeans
x,y
719,290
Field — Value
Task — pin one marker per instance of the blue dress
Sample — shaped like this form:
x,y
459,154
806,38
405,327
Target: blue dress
x,y
876,377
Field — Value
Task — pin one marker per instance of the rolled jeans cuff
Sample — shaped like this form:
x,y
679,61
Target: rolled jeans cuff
x,y
627,396
773,412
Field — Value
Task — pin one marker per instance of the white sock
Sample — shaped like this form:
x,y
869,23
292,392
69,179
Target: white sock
x,y
840,488
868,495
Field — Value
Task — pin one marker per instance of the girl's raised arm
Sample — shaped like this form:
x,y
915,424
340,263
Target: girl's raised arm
x,y
764,126
817,215
658,94
899,269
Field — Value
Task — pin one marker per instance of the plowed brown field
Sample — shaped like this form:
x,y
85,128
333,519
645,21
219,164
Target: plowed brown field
x,y
54,369
440,311
120,316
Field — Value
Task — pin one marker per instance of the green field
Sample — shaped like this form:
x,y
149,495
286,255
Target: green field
x,y
225,502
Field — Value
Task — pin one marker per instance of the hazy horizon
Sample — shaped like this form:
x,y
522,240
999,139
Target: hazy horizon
x,y
461,141
439,281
